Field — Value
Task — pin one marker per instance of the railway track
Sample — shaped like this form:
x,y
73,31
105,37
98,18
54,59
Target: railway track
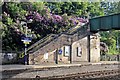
x,y
95,75
85,75
76,72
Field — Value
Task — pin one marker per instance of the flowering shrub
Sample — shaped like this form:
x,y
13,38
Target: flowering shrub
x,y
49,20
44,22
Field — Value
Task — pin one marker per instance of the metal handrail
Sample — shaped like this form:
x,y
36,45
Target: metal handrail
x,y
77,28
73,28
43,39
36,44
45,42
73,32
49,38
40,41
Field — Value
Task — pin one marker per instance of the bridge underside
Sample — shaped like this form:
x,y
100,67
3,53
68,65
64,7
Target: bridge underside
x,y
105,23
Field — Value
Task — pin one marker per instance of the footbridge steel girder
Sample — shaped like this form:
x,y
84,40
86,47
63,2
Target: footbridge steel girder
x,y
105,23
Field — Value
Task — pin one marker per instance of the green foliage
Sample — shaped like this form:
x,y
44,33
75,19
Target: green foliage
x,y
110,38
111,7
38,6
76,8
16,10
13,13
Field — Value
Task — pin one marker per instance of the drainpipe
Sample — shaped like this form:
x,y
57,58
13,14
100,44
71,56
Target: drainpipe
x,y
88,41
118,47
56,55
118,58
70,57
70,53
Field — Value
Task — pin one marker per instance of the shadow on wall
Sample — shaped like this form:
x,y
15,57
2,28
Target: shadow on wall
x,y
10,58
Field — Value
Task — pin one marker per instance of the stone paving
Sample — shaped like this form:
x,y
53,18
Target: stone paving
x,y
18,67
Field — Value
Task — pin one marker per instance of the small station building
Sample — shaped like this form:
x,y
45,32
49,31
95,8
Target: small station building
x,y
72,47
79,44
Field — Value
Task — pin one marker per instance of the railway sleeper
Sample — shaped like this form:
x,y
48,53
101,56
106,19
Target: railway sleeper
x,y
87,75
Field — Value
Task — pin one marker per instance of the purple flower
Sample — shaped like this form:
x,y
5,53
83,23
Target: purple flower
x,y
82,20
56,18
75,22
29,17
38,17
1,17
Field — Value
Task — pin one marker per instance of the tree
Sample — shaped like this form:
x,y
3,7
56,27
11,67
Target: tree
x,y
110,37
77,8
47,18
111,7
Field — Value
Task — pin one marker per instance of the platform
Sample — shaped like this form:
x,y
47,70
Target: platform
x,y
22,67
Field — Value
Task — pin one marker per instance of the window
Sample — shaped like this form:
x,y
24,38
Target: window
x,y
79,51
46,56
66,51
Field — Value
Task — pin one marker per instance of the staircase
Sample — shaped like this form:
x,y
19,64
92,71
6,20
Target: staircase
x,y
55,41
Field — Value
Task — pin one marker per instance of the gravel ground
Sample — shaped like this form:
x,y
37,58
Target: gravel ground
x,y
64,71
116,77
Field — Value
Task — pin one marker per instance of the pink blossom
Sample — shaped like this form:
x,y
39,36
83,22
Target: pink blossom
x,y
82,20
57,18
0,16
38,17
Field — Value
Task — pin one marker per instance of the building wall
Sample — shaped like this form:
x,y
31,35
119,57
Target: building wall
x,y
41,59
83,45
51,58
61,58
95,48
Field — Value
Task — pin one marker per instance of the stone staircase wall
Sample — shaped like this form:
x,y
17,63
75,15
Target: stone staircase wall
x,y
57,42
61,40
